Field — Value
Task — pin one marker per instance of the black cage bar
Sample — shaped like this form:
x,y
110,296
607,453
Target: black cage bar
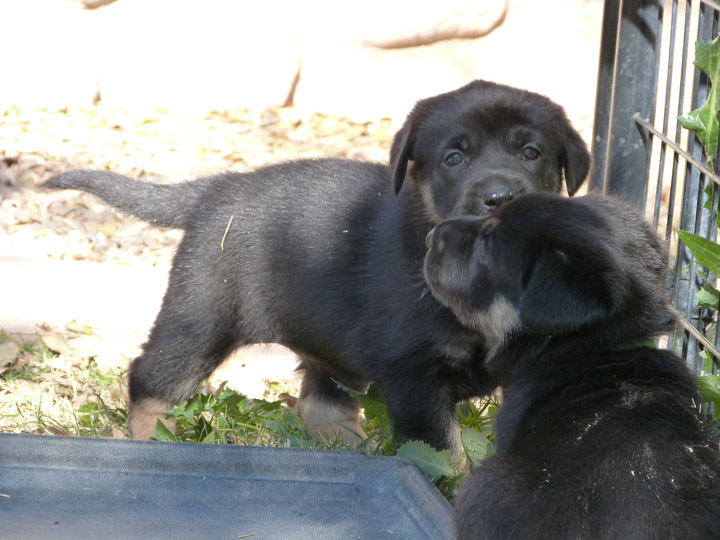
x,y
641,153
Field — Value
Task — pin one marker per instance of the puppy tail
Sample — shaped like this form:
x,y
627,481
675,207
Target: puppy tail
x,y
164,205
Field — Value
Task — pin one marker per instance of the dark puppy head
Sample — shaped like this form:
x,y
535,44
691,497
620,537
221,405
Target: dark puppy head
x,y
471,149
552,266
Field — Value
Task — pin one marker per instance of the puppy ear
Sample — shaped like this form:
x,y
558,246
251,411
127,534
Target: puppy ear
x,y
575,160
562,295
401,152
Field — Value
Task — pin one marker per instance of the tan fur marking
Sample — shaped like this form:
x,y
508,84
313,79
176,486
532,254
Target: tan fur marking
x,y
496,323
428,199
328,421
144,416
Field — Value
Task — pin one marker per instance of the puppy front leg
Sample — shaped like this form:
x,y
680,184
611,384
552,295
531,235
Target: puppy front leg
x,y
426,412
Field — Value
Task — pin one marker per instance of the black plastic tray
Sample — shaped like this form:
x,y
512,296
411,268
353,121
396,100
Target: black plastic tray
x,y
66,487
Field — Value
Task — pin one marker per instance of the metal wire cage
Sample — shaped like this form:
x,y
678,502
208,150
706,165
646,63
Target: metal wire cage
x,y
641,153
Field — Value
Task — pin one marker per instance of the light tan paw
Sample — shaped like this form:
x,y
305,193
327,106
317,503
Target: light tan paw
x,y
143,417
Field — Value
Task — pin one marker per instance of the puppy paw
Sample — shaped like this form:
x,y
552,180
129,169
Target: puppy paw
x,y
144,415
329,421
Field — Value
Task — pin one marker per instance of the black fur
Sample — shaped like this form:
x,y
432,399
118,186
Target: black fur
x,y
597,436
323,257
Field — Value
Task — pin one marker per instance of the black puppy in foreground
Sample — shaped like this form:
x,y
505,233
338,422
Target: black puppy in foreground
x,y
597,436
325,257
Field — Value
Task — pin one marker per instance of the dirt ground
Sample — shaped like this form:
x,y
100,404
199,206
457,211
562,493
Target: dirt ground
x,y
68,261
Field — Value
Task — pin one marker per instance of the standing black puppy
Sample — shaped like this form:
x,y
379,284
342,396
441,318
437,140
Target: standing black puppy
x,y
597,437
325,257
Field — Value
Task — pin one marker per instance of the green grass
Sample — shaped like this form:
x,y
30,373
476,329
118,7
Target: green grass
x,y
43,392
231,418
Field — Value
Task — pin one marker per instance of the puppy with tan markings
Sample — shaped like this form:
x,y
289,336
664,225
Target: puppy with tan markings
x,y
325,257
597,436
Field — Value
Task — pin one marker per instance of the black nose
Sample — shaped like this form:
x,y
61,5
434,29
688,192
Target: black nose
x,y
495,196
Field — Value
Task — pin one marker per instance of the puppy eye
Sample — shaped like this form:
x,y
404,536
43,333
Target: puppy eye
x,y
453,159
530,152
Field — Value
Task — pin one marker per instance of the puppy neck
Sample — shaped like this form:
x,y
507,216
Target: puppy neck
x,y
526,353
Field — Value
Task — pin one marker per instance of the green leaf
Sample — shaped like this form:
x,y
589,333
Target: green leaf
x,y
162,433
79,328
233,403
709,360
706,253
692,122
373,404
210,438
704,121
433,463
708,296
453,484
477,446
709,201
375,408
709,386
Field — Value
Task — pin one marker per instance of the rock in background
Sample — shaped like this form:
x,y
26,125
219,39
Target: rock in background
x,y
363,60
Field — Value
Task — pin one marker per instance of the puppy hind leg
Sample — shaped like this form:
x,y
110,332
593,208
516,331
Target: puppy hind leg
x,y
327,411
168,372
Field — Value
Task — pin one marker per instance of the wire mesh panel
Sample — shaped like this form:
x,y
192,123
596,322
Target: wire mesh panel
x,y
642,154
